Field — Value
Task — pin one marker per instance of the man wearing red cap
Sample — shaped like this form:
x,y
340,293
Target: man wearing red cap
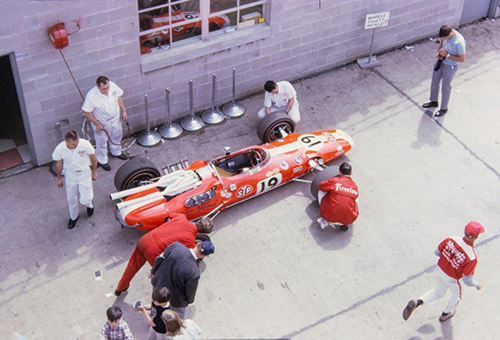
x,y
177,229
457,260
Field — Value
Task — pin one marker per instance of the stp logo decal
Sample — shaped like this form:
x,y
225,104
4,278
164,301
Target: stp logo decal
x,y
284,165
244,191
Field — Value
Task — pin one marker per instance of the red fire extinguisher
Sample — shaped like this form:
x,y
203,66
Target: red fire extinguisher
x,y
58,36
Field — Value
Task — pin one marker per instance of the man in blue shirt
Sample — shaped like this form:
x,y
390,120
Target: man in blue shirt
x,y
451,52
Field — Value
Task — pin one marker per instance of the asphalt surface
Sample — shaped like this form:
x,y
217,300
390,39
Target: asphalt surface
x,y
275,273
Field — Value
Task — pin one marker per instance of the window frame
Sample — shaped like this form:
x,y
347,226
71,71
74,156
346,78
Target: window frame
x,y
204,18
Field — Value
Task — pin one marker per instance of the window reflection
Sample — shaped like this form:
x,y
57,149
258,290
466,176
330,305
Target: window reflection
x,y
165,22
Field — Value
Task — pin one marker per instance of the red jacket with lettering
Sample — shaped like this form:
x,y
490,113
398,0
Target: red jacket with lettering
x,y
458,257
339,205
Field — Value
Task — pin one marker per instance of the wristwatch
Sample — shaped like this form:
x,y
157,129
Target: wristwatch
x,y
448,55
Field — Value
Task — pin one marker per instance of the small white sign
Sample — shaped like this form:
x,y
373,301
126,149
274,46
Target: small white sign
x,y
376,20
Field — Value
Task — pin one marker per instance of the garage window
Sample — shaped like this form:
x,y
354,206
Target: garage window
x,y
167,24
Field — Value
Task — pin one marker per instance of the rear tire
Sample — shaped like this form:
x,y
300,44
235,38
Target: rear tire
x,y
324,175
268,128
134,171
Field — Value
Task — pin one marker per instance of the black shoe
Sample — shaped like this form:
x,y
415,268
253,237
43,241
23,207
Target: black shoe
x,y
90,211
441,113
119,292
344,227
410,307
105,166
430,104
72,223
122,156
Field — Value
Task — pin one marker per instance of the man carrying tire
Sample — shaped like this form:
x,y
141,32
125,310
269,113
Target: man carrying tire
x,y
177,229
337,199
280,96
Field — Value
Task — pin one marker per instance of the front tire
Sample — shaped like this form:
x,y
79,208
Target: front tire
x,y
269,127
133,172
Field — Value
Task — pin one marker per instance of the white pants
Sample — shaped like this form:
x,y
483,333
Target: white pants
x,y
443,283
78,182
294,112
114,128
321,194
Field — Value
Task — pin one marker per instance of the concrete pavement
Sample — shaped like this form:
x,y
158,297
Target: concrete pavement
x,y
275,273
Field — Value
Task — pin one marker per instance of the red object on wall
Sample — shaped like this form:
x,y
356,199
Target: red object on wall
x,y
58,36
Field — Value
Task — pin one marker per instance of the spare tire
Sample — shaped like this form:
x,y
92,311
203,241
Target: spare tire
x,y
268,128
133,172
324,175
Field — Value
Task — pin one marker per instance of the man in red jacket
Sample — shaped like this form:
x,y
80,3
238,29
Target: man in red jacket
x,y
457,260
177,229
337,199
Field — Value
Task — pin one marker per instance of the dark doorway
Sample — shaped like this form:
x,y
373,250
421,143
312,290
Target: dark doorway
x,y
12,126
14,150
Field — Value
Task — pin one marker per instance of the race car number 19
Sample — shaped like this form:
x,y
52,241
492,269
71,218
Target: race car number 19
x,y
312,142
269,183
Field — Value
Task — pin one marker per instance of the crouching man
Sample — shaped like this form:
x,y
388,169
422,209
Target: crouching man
x,y
337,199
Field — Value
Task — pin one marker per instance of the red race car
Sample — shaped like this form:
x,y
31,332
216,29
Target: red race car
x,y
158,38
207,187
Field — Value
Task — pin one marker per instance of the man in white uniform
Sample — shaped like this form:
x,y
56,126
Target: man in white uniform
x,y
102,108
280,96
75,156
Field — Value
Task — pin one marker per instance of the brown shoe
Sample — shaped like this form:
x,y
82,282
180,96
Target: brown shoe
x,y
445,316
410,307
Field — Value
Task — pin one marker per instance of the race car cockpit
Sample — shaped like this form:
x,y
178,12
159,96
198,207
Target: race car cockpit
x,y
231,165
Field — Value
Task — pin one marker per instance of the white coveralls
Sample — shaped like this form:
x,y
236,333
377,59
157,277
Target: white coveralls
x,y
107,111
77,174
279,101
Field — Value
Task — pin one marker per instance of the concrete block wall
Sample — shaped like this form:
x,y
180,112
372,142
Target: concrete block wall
x,y
305,40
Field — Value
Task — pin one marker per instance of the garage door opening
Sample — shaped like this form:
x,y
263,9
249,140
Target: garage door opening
x,y
14,149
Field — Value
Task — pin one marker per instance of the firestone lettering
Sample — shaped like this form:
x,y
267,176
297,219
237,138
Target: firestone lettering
x,y
339,187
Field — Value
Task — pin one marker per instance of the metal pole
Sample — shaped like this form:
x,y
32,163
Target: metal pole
x,y
214,79
371,46
191,101
234,85
167,102
147,113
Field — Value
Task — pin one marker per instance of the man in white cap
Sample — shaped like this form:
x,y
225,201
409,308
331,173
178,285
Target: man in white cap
x,y
457,260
